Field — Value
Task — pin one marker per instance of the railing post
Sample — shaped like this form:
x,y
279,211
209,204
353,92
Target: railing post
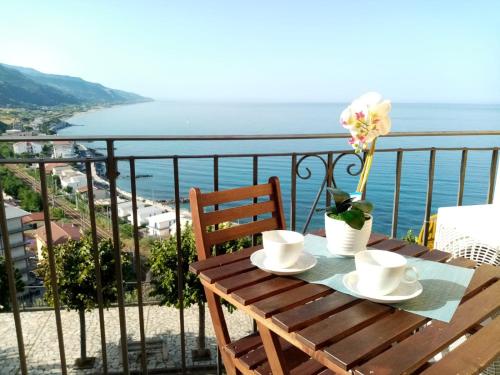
x,y
180,262
138,269
112,174
329,178
97,265
12,283
255,181
492,191
428,202
461,182
293,193
397,188
52,266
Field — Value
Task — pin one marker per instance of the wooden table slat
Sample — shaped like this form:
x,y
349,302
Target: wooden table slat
x,y
416,350
242,280
239,347
293,357
267,288
290,299
258,356
473,355
376,238
341,324
463,262
302,316
220,260
373,339
218,273
484,276
436,256
310,367
412,250
389,245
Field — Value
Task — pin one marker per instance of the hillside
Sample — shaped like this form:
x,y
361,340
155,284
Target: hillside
x,y
28,87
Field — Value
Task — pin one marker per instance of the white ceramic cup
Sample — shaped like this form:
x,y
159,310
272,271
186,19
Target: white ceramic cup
x,y
282,247
380,272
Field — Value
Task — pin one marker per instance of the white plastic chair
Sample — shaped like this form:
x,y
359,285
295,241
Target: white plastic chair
x,y
472,232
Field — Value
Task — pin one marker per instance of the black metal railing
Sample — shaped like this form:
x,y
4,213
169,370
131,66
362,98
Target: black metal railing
x,y
300,170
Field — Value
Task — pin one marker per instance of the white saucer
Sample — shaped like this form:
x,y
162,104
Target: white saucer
x,y
341,253
305,262
403,292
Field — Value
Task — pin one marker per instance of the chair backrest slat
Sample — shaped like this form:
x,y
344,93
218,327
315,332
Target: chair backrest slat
x,y
234,195
203,222
237,213
242,230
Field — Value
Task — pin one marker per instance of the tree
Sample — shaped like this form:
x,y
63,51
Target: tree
x,y
56,213
4,285
126,231
77,281
30,200
164,281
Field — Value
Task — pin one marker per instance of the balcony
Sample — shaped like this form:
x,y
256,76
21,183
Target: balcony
x,y
136,333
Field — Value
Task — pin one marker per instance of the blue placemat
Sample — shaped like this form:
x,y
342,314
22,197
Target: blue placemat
x,y
443,284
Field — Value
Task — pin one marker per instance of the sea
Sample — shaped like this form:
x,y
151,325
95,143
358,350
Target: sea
x,y
203,118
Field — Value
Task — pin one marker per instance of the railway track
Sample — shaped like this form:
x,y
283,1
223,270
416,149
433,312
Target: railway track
x,y
69,210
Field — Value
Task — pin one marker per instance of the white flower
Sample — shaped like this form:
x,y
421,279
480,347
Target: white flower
x,y
366,118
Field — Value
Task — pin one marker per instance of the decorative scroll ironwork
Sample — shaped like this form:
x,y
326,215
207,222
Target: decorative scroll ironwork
x,y
349,169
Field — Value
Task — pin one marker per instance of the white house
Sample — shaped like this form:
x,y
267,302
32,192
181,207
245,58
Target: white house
x,y
159,225
184,221
60,169
125,208
17,241
63,149
27,148
144,213
73,179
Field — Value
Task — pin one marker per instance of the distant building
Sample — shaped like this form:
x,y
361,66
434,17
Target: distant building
x,y
98,193
34,218
61,169
144,213
184,221
19,133
159,225
125,208
63,149
17,240
27,148
49,167
73,179
60,234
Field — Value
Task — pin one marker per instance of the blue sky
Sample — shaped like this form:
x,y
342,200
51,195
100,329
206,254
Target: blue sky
x,y
410,51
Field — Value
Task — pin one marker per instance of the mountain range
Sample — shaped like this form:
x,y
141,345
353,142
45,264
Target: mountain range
x,y
21,86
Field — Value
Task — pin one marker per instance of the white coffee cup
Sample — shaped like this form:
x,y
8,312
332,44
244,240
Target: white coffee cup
x,y
282,247
380,272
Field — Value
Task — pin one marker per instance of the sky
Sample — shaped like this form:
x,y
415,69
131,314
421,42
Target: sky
x,y
264,50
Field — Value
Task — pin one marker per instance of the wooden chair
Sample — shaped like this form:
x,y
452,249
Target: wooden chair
x,y
247,355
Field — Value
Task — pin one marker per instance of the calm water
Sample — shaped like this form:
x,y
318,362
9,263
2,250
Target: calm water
x,y
231,118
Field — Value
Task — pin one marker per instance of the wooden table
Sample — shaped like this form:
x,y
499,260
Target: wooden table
x,y
343,334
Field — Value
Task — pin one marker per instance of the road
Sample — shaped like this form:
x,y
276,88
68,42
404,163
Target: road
x,y
69,210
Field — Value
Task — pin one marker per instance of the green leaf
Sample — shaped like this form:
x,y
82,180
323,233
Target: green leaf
x,y
365,206
338,195
354,218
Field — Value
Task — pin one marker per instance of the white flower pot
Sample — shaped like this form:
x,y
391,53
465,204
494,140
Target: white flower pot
x,y
344,240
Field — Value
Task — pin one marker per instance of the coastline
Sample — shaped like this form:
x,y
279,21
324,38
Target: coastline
x,y
123,195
